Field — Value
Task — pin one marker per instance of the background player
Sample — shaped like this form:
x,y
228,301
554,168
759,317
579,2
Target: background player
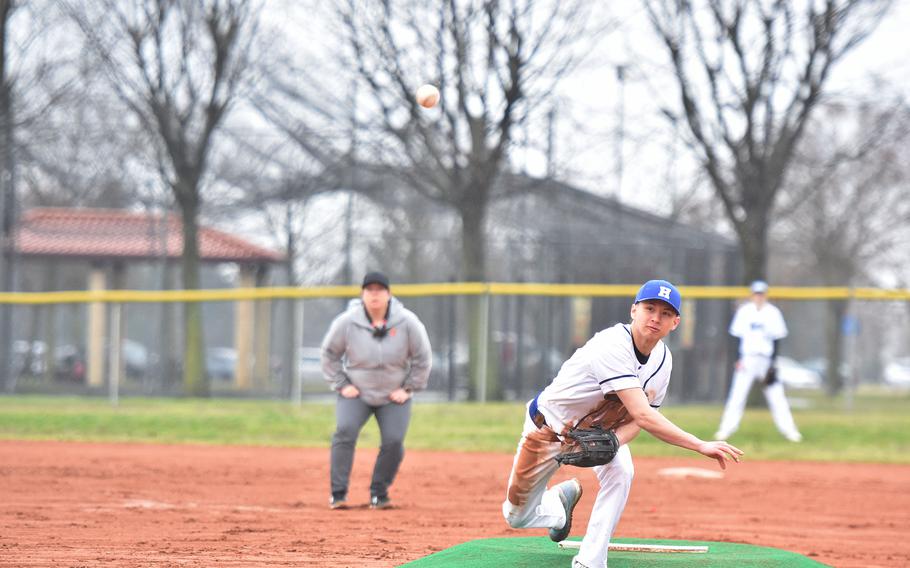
x,y
617,379
375,355
760,326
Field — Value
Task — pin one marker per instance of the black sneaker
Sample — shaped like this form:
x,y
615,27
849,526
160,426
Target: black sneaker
x,y
377,502
338,502
569,494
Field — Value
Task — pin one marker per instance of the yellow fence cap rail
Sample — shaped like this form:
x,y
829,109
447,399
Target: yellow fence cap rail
x,y
441,289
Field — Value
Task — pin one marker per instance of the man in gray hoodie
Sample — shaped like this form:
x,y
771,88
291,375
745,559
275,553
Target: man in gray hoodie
x,y
375,355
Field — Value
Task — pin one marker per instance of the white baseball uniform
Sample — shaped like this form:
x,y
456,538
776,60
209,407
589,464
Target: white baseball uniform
x,y
583,394
758,329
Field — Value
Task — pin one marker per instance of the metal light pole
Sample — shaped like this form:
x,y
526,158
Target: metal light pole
x,y
8,221
348,273
551,133
620,127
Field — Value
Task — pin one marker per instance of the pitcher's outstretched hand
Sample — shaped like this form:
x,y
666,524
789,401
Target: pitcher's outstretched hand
x,y
720,451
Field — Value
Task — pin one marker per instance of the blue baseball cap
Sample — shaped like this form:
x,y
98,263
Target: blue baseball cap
x,y
660,290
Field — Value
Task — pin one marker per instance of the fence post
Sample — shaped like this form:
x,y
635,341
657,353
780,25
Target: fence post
x,y
850,328
450,355
115,347
297,379
484,342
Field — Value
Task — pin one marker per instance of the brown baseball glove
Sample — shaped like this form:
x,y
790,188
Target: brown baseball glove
x,y
770,377
588,447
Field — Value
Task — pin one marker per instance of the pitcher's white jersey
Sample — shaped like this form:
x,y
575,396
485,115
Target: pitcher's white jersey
x,y
757,329
604,365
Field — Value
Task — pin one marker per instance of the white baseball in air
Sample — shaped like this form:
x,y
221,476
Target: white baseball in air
x,y
427,96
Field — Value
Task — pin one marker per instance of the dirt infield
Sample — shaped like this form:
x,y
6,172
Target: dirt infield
x,y
126,505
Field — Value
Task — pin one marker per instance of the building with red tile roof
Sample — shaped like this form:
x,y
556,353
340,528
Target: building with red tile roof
x,y
95,234
109,240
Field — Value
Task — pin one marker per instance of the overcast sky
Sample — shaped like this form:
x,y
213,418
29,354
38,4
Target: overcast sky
x,y
589,143
589,110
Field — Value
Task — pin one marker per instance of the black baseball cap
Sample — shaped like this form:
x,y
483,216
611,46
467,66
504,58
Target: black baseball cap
x,y
375,278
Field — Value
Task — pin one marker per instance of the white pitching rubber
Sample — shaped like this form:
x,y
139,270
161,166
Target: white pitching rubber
x,y
662,548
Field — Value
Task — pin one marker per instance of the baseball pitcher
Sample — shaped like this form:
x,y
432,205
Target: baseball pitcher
x,y
602,397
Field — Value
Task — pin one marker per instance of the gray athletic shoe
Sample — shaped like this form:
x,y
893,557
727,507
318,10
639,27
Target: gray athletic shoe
x,y
569,494
338,502
380,502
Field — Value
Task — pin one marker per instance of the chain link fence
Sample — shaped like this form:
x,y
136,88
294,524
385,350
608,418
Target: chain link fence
x,y
264,343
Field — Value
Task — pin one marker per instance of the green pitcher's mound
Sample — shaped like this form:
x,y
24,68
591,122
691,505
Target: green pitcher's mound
x,y
540,552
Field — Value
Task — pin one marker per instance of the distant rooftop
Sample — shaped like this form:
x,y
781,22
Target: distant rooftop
x,y
120,234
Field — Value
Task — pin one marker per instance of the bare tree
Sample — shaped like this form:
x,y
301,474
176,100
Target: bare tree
x,y
31,81
848,209
495,64
178,67
7,8
750,73
81,154
263,179
7,182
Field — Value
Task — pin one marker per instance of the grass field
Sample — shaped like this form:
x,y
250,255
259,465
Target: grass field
x,y
876,430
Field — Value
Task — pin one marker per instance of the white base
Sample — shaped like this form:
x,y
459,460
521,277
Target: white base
x,y
698,472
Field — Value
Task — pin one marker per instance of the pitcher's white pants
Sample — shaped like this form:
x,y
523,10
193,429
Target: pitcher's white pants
x,y
752,368
615,481
529,504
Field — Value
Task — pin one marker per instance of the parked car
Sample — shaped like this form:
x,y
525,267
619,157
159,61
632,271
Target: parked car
x,y
538,363
794,374
135,358
439,372
820,366
310,364
220,363
897,372
28,357
69,364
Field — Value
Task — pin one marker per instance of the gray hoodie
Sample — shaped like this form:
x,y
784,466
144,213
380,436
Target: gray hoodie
x,y
376,366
